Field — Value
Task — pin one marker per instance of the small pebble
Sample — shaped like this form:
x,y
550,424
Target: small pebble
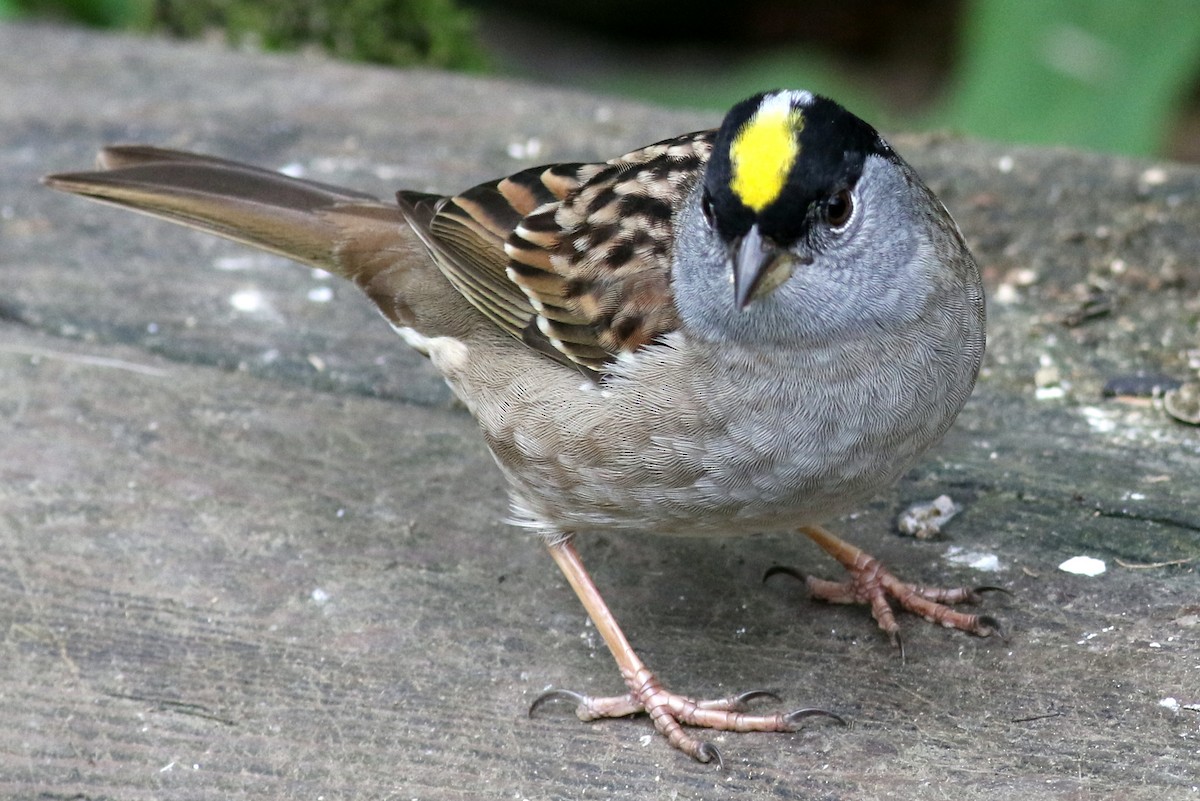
x,y
1183,403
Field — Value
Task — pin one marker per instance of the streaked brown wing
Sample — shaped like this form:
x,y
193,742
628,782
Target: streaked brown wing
x,y
597,266
466,235
575,259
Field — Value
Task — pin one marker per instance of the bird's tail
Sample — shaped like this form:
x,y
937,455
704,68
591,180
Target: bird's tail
x,y
348,233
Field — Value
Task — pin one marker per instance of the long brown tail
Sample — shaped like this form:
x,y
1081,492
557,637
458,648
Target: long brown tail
x,y
348,233
268,210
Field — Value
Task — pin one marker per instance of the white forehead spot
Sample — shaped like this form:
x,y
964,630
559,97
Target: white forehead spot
x,y
781,103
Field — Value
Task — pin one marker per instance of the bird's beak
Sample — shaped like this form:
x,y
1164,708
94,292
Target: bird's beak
x,y
759,267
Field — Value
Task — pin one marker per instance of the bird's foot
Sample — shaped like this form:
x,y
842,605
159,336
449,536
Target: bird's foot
x,y
872,584
670,712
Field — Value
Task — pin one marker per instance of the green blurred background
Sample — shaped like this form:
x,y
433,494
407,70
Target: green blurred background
x,y
1115,75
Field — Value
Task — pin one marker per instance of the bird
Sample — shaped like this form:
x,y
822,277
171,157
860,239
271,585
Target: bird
x,y
750,328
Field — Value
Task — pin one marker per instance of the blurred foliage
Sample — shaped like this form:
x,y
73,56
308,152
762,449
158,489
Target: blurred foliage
x,y
398,32
1104,74
1097,74
1100,74
99,13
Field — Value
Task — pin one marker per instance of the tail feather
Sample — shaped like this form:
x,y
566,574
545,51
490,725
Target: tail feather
x,y
266,209
345,232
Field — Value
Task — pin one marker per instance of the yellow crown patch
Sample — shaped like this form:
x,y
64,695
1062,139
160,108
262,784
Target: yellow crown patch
x,y
764,151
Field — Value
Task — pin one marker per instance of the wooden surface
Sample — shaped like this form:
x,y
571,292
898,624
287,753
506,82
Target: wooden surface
x,y
257,554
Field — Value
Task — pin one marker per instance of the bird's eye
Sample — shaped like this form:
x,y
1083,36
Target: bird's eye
x,y
706,206
839,208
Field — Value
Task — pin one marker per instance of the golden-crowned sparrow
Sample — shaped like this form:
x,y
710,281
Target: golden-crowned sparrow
x,y
737,330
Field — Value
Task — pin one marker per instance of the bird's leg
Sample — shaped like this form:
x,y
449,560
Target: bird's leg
x,y
669,711
872,583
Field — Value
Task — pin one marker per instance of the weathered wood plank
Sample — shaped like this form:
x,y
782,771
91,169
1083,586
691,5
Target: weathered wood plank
x,y
257,555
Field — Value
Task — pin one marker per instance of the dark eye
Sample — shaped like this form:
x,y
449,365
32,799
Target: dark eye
x,y
839,208
706,206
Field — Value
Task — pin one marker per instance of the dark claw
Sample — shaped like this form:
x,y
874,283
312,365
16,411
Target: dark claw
x,y
785,570
578,699
741,701
898,641
995,625
708,752
989,588
794,717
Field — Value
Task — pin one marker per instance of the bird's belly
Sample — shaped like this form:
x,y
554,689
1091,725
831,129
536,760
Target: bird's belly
x,y
743,449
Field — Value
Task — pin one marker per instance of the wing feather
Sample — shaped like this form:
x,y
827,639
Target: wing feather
x,y
574,259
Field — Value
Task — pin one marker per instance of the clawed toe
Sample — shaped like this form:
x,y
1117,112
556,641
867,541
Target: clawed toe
x,y
797,716
738,703
554,696
707,752
776,570
993,626
670,712
872,584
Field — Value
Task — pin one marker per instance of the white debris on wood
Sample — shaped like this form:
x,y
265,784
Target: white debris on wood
x,y
925,520
1083,566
